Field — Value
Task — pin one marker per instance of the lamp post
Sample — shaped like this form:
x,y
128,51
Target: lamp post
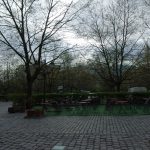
x,y
44,85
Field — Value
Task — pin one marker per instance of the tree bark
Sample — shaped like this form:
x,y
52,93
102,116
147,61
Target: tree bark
x,y
29,91
118,87
29,94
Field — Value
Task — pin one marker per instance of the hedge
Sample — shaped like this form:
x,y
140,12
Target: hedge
x,y
3,97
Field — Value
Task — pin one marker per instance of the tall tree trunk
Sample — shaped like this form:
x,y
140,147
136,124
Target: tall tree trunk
x,y
29,94
118,87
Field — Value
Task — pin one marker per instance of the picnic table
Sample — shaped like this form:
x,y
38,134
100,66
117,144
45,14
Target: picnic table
x,y
121,102
45,105
115,101
85,102
147,100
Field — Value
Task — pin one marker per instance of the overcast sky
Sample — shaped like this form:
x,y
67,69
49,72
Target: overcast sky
x,y
73,39
70,36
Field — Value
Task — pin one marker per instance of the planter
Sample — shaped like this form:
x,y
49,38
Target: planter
x,y
34,113
16,109
11,110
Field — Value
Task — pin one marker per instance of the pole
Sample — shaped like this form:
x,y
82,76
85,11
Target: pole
x,y
44,87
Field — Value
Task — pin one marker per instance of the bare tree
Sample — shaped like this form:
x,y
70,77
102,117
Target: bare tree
x,y
147,2
30,28
141,74
113,34
66,60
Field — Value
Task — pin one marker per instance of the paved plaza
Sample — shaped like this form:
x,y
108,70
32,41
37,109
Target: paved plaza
x,y
73,133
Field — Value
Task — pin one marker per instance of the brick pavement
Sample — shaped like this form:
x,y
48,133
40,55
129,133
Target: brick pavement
x,y
75,133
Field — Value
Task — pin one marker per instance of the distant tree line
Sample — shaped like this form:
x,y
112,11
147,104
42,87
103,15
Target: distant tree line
x,y
76,77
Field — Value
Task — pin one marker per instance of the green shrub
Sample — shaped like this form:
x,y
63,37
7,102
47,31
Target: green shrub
x,y
17,99
3,98
37,108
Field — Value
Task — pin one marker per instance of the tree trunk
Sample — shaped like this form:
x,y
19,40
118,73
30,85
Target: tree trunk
x,y
29,94
118,87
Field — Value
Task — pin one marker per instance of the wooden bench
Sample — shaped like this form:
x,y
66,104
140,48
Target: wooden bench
x,y
119,102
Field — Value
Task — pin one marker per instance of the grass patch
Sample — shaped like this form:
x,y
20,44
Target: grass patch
x,y
99,110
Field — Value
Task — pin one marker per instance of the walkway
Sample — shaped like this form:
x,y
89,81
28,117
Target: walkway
x,y
75,133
